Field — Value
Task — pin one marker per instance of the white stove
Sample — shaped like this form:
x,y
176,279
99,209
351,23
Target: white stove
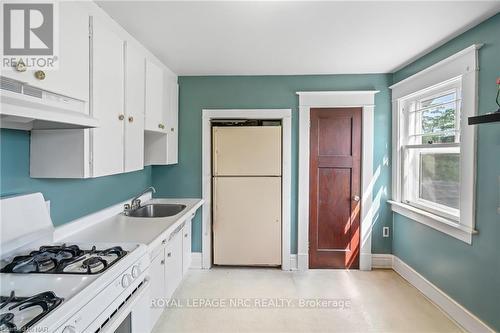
x,y
57,287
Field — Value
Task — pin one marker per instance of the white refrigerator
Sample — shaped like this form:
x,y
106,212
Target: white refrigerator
x,y
247,196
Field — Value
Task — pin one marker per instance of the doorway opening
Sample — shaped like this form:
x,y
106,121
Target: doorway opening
x,y
246,192
266,117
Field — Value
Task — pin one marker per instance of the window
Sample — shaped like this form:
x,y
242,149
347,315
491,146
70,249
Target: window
x,y
433,150
430,134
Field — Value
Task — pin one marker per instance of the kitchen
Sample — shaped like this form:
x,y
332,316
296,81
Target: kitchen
x,y
147,190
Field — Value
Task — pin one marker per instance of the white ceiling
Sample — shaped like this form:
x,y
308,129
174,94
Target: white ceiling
x,y
292,37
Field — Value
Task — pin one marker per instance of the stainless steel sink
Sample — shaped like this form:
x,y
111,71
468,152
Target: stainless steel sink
x,y
157,210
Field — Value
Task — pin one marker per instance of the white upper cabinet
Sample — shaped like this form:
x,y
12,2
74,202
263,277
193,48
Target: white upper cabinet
x,y
70,78
131,94
134,108
155,115
172,120
161,148
107,77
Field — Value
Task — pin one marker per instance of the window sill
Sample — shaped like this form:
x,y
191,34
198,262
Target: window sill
x,y
436,222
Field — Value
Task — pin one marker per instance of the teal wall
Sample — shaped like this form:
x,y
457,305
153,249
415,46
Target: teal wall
x,y
469,274
69,198
268,92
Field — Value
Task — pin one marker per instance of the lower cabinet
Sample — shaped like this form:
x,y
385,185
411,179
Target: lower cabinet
x,y
157,291
173,264
186,246
170,262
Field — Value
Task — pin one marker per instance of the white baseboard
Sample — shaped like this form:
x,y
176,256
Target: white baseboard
x,y
196,259
452,308
384,261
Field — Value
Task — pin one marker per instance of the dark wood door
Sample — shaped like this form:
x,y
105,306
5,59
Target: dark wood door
x,y
334,188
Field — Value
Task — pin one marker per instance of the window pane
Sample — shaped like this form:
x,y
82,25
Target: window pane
x,y
440,178
438,119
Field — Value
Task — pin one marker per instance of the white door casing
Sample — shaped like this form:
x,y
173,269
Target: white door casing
x,y
336,99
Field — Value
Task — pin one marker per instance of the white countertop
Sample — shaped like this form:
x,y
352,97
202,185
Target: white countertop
x,y
124,229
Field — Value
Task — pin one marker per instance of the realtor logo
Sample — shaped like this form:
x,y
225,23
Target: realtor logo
x,y
28,29
30,35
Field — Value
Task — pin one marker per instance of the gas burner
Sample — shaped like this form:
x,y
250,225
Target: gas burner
x,y
38,263
18,314
6,321
65,259
93,264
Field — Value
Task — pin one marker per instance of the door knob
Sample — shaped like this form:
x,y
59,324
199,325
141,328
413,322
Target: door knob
x,y
356,198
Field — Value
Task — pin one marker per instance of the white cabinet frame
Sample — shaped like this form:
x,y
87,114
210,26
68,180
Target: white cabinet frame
x,y
285,115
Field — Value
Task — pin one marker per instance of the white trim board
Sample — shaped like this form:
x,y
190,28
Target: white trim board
x,y
286,118
337,99
452,308
382,261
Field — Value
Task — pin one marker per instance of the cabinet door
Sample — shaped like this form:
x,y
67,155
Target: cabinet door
x,y
134,108
71,76
173,264
107,100
154,98
172,122
186,246
157,276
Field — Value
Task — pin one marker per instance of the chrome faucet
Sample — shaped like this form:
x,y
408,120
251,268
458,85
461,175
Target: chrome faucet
x,y
136,202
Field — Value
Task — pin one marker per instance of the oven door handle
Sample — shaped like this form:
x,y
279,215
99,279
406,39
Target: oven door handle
x,y
118,318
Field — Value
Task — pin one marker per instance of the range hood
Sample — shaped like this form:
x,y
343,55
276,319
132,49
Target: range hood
x,y
25,107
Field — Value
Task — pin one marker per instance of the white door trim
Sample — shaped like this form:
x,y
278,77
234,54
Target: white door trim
x,y
336,99
285,115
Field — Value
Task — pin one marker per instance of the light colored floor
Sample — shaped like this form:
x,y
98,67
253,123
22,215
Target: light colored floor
x,y
376,301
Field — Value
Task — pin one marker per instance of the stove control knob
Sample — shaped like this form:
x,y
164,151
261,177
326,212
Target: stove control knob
x,y
126,279
136,271
69,329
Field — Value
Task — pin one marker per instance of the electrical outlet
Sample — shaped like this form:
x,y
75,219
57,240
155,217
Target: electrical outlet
x,y
385,231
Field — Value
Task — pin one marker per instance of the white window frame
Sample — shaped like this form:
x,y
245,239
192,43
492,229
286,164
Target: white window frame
x,y
408,184
461,66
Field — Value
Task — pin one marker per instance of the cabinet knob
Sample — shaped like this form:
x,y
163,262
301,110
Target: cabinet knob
x,y
185,235
40,75
121,117
20,66
169,254
162,262
164,241
356,198
161,126
130,119
171,129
